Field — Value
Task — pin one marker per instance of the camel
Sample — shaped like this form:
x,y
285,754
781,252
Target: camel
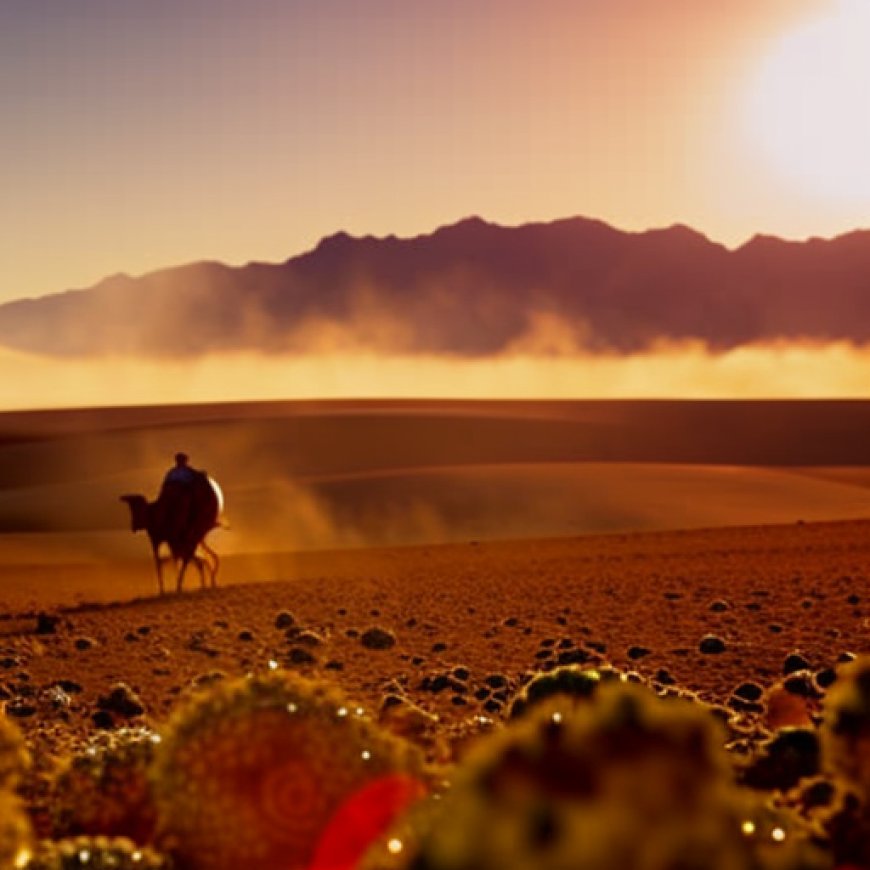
x,y
181,517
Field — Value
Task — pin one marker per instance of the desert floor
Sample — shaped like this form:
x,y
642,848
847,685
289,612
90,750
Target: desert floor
x,y
359,515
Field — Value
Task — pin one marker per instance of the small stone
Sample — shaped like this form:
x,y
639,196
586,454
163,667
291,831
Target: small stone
x,y
309,639
637,652
496,681
20,709
144,629
47,623
492,706
800,683
573,657
300,656
9,662
84,643
794,662
246,635
131,637
377,638
71,687
711,645
482,693
664,677
284,619
597,645
719,606
845,657
334,665
458,701
773,628
461,673
121,700
749,691
103,719
825,678
511,622
854,599
439,647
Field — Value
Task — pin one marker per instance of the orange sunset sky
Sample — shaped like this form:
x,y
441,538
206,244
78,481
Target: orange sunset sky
x,y
141,134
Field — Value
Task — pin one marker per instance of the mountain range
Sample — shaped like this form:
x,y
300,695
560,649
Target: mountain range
x,y
471,289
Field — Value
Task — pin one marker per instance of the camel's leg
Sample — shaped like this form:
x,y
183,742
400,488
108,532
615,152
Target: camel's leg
x,y
201,565
216,564
181,570
158,562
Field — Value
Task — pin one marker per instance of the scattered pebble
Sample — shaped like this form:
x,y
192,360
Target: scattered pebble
x,y
377,638
711,644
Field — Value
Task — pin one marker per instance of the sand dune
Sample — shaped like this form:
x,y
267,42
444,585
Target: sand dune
x,y
327,475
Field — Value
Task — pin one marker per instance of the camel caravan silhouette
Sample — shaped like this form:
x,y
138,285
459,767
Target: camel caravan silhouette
x,y
186,510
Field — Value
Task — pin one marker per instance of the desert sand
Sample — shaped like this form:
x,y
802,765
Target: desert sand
x,y
496,538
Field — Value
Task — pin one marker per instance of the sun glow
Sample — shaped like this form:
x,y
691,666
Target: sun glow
x,y
810,104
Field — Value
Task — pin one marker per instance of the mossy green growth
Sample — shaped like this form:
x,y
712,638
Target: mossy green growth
x,y
105,789
15,832
846,727
249,773
626,780
95,853
14,758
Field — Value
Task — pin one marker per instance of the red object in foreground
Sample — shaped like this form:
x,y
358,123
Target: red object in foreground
x,y
362,818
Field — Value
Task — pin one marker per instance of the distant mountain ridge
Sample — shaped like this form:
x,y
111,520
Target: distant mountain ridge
x,y
472,288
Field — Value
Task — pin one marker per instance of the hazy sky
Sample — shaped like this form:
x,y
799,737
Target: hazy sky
x,y
141,133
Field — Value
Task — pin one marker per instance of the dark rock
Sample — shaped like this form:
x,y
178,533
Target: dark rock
x,y
492,706
496,681
9,662
664,677
637,652
719,606
71,687
573,657
47,623
461,673
749,691
285,619
20,709
511,622
334,665
121,700
801,683
773,628
300,656
246,635
825,678
439,647
309,639
597,645
458,701
131,637
143,630
84,643
854,599
711,645
482,693
794,662
377,638
845,657
103,719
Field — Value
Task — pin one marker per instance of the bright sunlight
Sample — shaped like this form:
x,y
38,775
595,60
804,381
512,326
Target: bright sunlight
x,y
810,103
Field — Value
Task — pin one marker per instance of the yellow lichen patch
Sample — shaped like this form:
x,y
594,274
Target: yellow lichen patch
x,y
250,773
104,789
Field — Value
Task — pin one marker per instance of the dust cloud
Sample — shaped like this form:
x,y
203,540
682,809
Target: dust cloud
x,y
544,364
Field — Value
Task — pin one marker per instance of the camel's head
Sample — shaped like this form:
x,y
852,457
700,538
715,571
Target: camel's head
x,y
138,505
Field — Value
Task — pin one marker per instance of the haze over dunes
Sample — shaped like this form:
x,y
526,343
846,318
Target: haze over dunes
x,y
472,289
324,475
